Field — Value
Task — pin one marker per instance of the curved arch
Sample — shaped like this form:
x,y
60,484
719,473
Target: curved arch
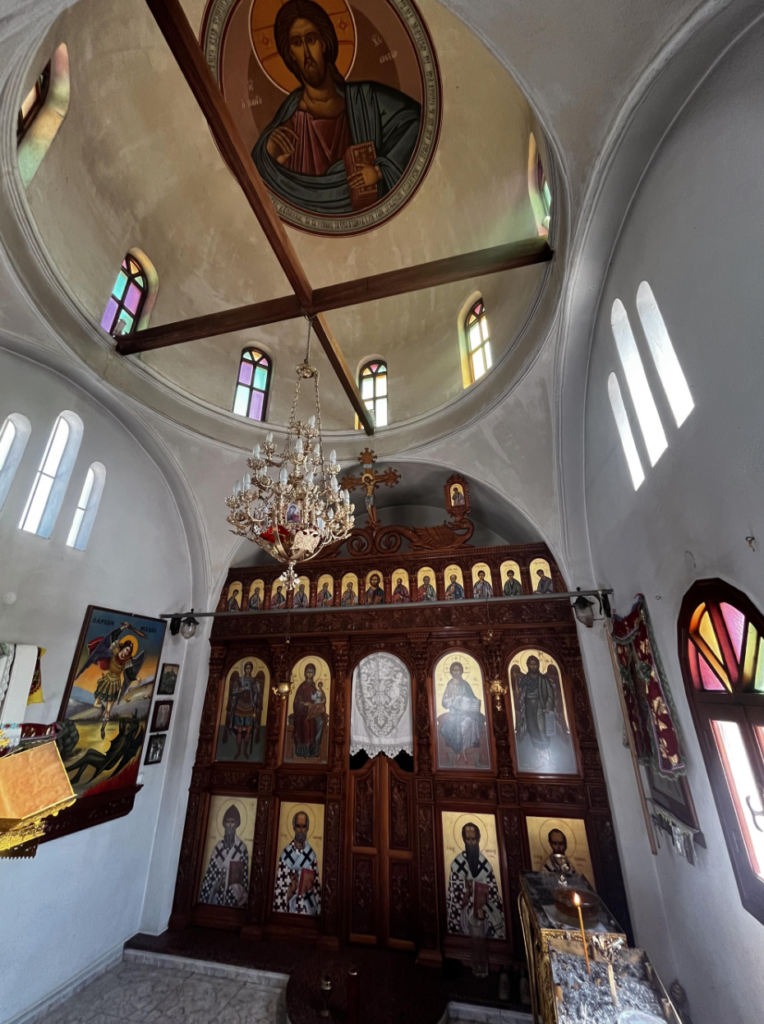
x,y
538,188
372,381
87,507
36,141
52,478
13,440
376,727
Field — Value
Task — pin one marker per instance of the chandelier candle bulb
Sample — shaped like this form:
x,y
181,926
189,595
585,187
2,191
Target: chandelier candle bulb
x,y
312,422
298,446
269,438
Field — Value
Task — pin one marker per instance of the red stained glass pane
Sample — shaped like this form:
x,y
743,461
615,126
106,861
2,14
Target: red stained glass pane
x,y
256,405
373,367
734,621
245,373
133,298
107,319
710,681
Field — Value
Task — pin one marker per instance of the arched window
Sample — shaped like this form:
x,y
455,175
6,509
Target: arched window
x,y
252,385
373,381
478,343
128,297
42,113
32,103
642,396
665,358
87,507
721,644
13,440
52,477
538,189
624,431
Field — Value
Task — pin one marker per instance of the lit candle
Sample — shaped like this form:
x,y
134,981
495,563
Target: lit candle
x,y
577,901
611,979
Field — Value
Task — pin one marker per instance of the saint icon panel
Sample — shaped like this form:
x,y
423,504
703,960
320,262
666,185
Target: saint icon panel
x,y
462,730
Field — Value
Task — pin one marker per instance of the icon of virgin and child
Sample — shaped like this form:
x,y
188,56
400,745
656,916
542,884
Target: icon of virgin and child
x,y
332,141
309,719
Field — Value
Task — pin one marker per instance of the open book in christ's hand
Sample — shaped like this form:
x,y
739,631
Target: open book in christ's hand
x,y
357,157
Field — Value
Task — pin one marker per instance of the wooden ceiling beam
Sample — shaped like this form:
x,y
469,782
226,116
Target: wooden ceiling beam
x,y
348,293
174,26
341,368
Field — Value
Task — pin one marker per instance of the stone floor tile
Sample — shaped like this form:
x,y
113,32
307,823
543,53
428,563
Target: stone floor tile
x,y
198,1000
134,991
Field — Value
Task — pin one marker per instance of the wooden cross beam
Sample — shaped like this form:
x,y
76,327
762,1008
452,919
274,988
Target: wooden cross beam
x,y
180,37
336,296
174,26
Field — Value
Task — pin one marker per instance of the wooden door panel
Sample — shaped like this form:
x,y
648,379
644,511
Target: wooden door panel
x,y
363,916
400,824
401,898
363,823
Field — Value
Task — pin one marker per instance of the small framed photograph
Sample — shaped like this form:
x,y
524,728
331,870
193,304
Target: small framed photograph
x,y
155,748
168,679
162,715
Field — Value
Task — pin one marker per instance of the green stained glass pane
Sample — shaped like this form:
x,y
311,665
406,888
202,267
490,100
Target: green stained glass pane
x,y
119,287
547,196
247,355
367,387
381,385
759,681
475,338
261,378
125,317
241,401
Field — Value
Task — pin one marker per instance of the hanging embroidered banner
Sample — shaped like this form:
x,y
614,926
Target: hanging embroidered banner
x,y
380,721
650,706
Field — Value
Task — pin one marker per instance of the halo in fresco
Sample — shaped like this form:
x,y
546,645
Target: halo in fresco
x,y
351,159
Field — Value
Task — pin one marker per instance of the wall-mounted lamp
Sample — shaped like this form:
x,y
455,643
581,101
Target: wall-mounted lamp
x,y
584,609
498,689
186,627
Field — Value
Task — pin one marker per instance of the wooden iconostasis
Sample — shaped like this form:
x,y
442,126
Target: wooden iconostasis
x,y
288,834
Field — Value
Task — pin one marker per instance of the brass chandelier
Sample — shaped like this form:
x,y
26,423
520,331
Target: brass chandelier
x,y
291,504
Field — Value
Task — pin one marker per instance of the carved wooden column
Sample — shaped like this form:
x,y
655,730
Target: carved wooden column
x,y
335,802
429,934
499,706
195,827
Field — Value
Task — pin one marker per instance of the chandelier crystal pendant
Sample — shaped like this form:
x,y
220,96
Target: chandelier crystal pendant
x,y
291,504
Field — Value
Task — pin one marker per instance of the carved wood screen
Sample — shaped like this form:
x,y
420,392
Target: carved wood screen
x,y
383,873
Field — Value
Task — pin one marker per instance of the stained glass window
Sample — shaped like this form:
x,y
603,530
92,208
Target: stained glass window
x,y
722,646
478,341
128,295
32,103
373,384
14,435
252,385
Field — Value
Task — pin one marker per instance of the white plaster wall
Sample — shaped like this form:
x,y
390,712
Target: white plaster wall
x,y
695,233
82,895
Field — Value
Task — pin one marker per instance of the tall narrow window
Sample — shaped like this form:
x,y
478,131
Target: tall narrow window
x,y
642,396
624,431
87,507
373,381
252,384
32,103
478,342
52,477
128,296
538,189
42,112
721,642
665,358
13,440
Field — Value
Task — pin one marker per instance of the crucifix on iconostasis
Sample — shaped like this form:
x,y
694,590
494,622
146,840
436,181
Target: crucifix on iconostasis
x,y
370,480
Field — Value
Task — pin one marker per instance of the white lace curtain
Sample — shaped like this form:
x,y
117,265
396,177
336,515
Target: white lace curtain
x,y
380,720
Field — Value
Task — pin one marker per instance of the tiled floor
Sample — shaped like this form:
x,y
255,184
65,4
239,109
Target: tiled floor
x,y
141,993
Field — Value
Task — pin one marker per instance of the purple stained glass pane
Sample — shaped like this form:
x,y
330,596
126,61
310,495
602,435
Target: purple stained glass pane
x,y
734,620
245,373
256,405
108,318
133,298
